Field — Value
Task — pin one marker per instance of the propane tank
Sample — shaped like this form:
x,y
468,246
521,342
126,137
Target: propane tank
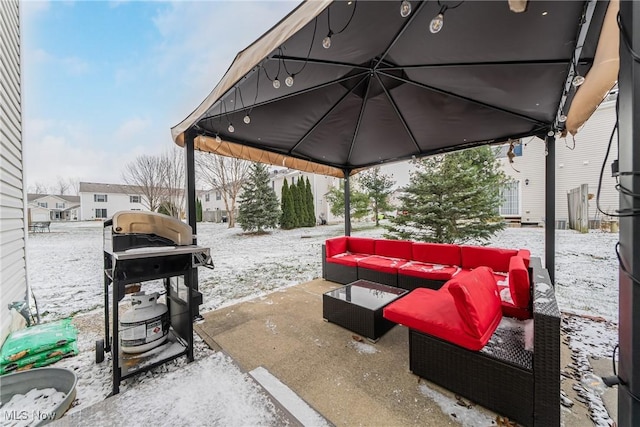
x,y
145,325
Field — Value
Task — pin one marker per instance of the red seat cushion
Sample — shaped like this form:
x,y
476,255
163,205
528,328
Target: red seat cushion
x,y
428,271
477,300
508,307
436,253
393,248
434,313
525,254
347,259
381,264
495,258
519,282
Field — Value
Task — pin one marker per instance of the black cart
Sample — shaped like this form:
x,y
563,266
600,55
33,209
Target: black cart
x,y
140,247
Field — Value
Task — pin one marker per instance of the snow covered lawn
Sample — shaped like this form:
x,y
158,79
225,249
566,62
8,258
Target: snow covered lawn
x,y
65,272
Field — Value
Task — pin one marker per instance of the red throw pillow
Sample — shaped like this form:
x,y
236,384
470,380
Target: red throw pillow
x,y
477,300
519,282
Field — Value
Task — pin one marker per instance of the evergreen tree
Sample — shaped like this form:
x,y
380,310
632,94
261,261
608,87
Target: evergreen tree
x,y
378,187
198,210
295,197
302,199
359,201
452,198
258,205
287,220
311,210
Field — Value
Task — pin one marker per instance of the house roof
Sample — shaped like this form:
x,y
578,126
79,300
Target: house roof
x,y
32,197
94,187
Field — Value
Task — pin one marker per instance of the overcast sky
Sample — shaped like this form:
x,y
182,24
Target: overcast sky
x,y
104,81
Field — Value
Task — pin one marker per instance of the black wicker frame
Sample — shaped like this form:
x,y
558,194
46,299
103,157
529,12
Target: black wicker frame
x,y
503,377
410,283
390,279
337,272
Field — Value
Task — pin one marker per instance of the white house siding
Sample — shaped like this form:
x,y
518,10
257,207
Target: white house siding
x,y
13,269
118,199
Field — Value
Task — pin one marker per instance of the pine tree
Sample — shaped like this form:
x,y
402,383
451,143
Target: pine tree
x,y
258,205
311,210
295,198
302,200
452,198
287,219
378,187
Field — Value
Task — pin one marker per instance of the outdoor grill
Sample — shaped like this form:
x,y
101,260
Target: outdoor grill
x,y
139,247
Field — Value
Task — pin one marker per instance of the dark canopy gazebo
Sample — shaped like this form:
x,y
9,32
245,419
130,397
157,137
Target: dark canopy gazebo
x,y
337,87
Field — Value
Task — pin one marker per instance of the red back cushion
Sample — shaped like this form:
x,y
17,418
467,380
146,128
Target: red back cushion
x,y
477,300
525,254
519,282
393,248
495,258
436,253
360,245
335,246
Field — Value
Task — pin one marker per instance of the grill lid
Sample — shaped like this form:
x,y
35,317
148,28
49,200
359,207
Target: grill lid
x,y
138,222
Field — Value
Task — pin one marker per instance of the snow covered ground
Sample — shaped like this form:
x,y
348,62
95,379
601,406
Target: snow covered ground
x,y
65,272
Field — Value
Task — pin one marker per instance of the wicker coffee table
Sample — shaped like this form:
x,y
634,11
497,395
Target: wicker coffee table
x,y
358,307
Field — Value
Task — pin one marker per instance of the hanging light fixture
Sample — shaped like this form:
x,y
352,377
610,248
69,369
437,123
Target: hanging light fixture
x,y
247,119
405,8
276,83
289,80
562,118
437,22
218,139
326,42
231,129
577,80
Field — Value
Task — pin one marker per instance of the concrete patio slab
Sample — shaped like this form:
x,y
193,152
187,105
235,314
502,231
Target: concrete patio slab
x,y
348,380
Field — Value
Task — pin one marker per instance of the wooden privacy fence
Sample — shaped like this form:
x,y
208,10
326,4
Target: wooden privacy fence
x,y
578,199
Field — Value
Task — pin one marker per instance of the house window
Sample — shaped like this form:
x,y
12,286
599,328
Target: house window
x,y
218,195
43,204
59,205
100,198
101,213
134,199
510,199
206,197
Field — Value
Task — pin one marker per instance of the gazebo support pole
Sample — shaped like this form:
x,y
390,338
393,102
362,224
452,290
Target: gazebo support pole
x,y
190,189
629,234
347,203
550,209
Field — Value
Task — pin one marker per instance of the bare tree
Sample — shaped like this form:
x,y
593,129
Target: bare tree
x,y
226,175
147,174
39,188
62,186
74,183
172,162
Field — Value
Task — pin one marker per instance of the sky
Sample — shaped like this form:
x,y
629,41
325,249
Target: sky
x,y
104,81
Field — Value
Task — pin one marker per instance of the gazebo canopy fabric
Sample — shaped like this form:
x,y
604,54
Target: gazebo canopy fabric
x,y
388,89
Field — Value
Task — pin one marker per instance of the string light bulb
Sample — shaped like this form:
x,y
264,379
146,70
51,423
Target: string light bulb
x,y
562,118
289,81
405,8
577,80
218,139
437,23
247,119
231,129
326,42
276,83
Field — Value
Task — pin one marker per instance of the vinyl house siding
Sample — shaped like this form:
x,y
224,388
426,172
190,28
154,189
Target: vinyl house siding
x,y
13,269
118,199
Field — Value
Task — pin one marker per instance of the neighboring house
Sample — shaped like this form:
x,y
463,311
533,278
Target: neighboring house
x,y
13,227
101,201
578,162
48,207
214,209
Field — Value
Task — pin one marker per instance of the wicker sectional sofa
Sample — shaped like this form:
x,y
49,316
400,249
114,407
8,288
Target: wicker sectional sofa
x,y
410,265
457,315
